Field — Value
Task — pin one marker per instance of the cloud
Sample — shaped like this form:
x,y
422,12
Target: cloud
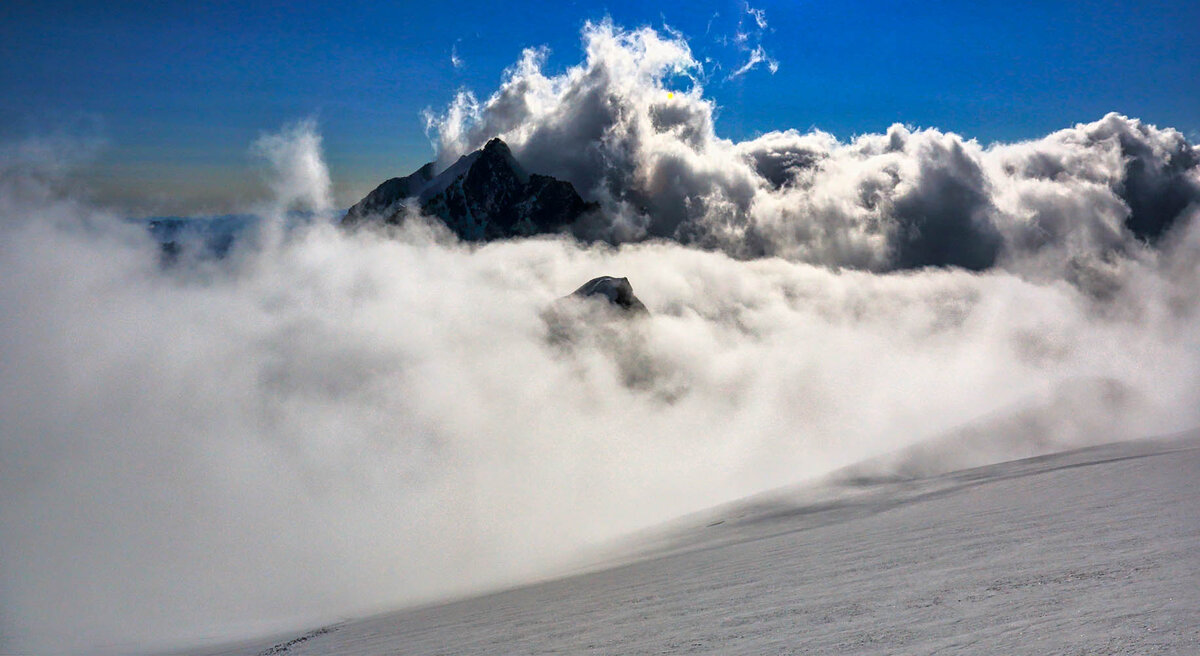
x,y
455,60
328,423
749,42
297,175
904,199
757,56
759,16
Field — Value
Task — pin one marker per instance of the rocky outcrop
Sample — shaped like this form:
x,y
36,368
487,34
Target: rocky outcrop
x,y
485,195
617,291
387,198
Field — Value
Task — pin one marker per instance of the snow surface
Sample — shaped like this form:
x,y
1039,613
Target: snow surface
x,y
1093,551
451,175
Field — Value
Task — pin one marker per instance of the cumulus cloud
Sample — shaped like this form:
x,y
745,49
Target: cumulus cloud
x,y
904,199
330,422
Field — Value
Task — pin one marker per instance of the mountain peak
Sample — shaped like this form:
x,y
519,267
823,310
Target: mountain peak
x,y
484,195
618,292
496,153
387,198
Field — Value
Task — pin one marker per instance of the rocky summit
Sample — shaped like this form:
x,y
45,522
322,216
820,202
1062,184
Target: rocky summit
x,y
618,292
485,195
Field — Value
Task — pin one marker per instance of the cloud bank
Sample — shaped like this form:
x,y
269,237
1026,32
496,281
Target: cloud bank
x,y
325,423
904,199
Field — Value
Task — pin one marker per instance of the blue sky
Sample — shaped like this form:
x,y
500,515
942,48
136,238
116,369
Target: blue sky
x,y
177,91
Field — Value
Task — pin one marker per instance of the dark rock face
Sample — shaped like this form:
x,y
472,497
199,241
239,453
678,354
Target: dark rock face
x,y
604,316
617,291
386,199
485,195
594,311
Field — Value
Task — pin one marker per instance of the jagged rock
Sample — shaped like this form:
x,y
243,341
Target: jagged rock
x,y
485,195
617,291
387,198
605,317
599,303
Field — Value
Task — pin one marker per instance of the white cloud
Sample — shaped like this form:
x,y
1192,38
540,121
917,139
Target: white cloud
x,y
757,56
903,199
297,175
759,16
748,41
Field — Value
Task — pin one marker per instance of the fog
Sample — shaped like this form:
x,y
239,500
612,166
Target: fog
x,y
328,422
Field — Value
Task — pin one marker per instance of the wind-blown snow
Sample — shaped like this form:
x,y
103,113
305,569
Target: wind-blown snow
x,y
329,422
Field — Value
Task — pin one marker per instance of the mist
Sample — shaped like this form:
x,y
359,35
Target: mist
x,y
326,422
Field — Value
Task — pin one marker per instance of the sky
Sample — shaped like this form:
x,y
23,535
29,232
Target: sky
x,y
172,93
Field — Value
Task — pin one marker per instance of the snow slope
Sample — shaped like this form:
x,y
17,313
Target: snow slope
x,y
1091,551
